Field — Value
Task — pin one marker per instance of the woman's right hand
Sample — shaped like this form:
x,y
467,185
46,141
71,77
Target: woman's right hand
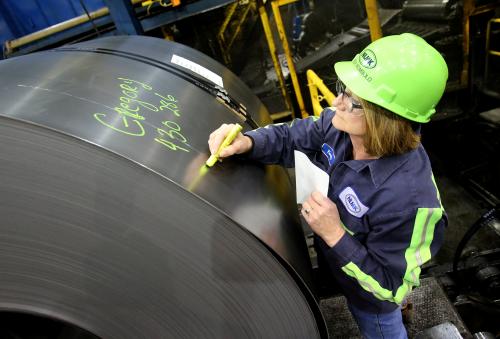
x,y
240,144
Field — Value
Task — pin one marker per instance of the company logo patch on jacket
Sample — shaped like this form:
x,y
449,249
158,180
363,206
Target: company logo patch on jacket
x,y
352,203
328,152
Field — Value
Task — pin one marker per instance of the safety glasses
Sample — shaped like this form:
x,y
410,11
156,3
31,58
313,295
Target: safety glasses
x,y
351,104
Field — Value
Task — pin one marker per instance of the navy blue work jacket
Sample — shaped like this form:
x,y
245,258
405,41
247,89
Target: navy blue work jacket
x,y
390,208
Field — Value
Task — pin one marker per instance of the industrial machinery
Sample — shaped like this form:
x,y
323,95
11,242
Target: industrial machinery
x,y
110,219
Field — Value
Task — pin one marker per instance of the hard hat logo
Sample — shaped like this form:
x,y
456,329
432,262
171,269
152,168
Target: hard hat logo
x,y
362,71
368,59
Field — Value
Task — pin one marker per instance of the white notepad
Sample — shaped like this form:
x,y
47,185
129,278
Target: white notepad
x,y
309,178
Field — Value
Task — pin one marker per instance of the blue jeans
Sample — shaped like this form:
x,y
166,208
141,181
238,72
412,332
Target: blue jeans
x,y
383,325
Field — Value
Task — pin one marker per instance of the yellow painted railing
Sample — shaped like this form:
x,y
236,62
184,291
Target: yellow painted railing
x,y
315,83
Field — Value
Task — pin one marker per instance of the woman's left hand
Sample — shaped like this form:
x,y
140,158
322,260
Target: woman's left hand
x,y
323,216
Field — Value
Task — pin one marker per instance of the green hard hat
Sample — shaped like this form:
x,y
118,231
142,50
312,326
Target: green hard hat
x,y
401,73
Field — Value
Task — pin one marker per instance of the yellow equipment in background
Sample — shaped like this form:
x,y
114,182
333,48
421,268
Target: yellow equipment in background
x,y
315,83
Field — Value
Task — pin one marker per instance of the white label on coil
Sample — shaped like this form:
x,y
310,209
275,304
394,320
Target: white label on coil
x,y
198,69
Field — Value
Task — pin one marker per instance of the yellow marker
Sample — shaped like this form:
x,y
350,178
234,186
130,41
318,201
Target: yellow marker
x,y
227,141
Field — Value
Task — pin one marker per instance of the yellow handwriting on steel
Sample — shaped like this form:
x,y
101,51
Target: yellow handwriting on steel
x,y
168,102
125,130
173,131
129,119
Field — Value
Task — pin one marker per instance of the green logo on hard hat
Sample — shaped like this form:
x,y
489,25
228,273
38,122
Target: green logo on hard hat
x,y
367,59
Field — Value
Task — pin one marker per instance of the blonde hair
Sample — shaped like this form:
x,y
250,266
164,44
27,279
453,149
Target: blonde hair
x,y
386,132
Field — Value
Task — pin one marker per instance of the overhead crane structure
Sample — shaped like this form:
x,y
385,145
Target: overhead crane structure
x,y
128,17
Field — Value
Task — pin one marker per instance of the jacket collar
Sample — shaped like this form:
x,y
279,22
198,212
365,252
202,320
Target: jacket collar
x,y
380,169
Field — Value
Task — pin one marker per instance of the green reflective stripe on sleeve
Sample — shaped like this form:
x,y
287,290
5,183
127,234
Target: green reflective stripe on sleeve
x,y
314,117
419,251
345,228
437,214
416,255
368,283
437,190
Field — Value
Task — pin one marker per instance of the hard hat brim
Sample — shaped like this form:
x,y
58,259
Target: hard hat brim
x,y
354,81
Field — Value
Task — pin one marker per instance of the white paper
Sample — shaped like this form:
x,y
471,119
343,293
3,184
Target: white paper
x,y
198,69
309,178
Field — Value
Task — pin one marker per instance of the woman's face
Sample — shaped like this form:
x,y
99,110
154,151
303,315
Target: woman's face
x,y
348,118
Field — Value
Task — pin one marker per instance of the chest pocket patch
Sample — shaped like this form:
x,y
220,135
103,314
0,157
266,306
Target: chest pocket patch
x,y
328,152
352,203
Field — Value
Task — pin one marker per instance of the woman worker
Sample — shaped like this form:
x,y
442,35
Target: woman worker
x,y
382,218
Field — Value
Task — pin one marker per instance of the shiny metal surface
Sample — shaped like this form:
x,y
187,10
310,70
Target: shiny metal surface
x,y
446,330
427,9
110,220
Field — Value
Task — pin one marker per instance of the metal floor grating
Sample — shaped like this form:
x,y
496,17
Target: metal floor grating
x,y
431,307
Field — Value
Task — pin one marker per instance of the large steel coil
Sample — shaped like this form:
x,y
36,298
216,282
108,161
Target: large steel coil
x,y
110,221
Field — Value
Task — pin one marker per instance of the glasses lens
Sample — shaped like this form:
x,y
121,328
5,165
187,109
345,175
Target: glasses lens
x,y
349,101
339,87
